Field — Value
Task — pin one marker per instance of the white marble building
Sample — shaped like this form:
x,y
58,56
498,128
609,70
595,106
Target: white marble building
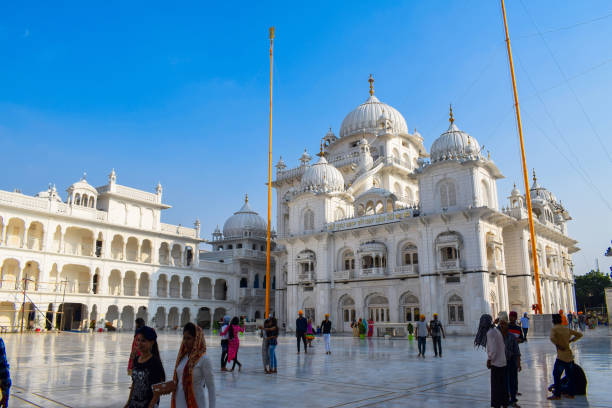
x,y
105,254
379,228
242,248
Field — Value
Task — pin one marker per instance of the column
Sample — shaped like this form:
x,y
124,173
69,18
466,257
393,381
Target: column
x,y
152,286
137,289
54,318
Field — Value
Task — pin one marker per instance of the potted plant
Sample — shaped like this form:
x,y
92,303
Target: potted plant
x,y
410,331
215,327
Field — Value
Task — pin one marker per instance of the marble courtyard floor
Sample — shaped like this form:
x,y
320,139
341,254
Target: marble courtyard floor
x,y
89,370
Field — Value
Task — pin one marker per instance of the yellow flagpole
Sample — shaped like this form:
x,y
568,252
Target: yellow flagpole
x,y
267,314
525,177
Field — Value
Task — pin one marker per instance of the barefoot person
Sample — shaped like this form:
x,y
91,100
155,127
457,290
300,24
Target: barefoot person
x,y
265,346
272,343
490,337
193,372
422,331
301,326
224,341
147,370
234,343
561,336
436,330
326,330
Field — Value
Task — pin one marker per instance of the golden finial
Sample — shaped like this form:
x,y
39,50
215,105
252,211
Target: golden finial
x,y
488,155
321,153
271,33
246,198
451,118
534,176
371,81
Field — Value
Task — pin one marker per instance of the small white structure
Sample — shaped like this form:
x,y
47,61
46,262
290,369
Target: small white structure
x,y
374,229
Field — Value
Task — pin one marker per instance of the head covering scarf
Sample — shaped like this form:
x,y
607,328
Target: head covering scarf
x,y
147,332
197,351
226,319
486,322
503,316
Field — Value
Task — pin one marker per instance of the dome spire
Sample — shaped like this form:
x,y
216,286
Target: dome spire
x,y
451,118
246,198
371,81
321,152
535,179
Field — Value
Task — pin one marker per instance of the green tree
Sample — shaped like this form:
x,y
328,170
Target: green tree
x,y
590,289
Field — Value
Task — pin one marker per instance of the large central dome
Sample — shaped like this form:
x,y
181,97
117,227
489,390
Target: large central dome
x,y
367,115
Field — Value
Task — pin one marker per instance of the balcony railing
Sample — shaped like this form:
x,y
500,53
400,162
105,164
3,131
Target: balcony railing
x,y
449,266
406,270
366,272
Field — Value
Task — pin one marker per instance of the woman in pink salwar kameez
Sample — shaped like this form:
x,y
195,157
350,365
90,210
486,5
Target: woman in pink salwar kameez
x,y
234,343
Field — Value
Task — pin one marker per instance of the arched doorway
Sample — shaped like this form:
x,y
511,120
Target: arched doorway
x,y
160,318
347,311
378,308
142,314
203,318
409,307
185,316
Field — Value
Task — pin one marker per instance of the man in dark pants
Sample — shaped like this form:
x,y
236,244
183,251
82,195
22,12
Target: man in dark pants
x,y
436,329
301,325
561,336
225,328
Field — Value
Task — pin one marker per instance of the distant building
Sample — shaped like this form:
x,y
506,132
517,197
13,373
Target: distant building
x,y
378,228
104,254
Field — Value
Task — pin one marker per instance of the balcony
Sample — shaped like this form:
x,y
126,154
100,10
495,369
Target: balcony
x,y
372,272
449,266
406,270
344,274
305,276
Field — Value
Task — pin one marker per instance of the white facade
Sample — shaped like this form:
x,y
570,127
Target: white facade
x,y
106,255
374,229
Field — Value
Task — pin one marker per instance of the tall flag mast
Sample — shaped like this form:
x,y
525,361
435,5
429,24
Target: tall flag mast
x,y
525,177
267,313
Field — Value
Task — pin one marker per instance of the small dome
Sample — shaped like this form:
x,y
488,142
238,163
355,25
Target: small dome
x,y
454,144
322,177
245,220
366,118
515,191
82,186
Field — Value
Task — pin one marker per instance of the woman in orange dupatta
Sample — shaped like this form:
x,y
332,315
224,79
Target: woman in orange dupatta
x,y
193,372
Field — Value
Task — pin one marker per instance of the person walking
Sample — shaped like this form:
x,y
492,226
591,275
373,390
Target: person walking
x,y
134,352
514,328
301,326
265,346
525,325
193,372
234,343
436,330
272,343
147,370
363,328
355,328
422,331
224,341
490,337
310,336
513,360
561,336
5,376
326,331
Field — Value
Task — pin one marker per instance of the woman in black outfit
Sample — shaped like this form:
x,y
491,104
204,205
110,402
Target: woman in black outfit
x,y
147,370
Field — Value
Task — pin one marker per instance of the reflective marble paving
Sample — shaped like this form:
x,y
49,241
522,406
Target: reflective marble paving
x,y
89,370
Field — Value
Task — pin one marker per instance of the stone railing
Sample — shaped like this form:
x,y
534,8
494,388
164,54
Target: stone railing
x,y
291,173
449,266
305,276
367,272
406,270
374,219
178,230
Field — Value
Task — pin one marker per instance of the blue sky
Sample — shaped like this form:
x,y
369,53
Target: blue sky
x,y
179,94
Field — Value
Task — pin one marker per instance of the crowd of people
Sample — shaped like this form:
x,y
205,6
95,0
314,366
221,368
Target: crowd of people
x,y
501,338
193,372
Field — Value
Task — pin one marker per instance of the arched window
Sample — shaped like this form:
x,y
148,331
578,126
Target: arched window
x,y
308,220
77,199
339,214
348,260
243,282
256,281
448,196
486,198
455,310
408,196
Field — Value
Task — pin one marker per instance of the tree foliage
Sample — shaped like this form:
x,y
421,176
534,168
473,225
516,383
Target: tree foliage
x,y
590,289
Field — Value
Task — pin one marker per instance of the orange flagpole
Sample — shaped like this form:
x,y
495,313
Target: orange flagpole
x,y
525,177
267,313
